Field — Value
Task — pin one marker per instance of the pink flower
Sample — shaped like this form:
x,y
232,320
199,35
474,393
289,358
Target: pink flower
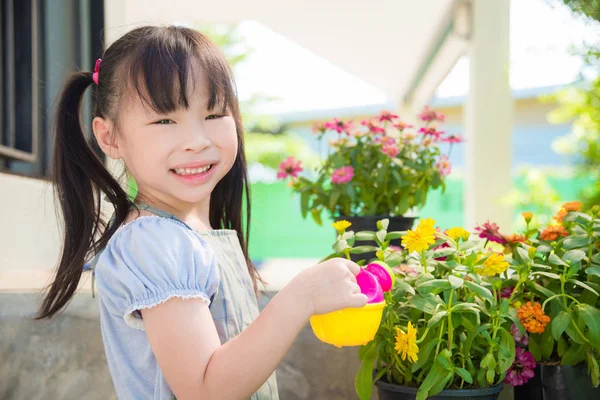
x,y
373,126
431,131
491,232
339,126
394,249
430,115
289,167
444,165
387,116
506,292
402,125
342,175
385,140
522,339
453,139
390,150
522,369
406,270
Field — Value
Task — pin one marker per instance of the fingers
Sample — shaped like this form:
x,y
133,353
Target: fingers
x,y
358,300
353,267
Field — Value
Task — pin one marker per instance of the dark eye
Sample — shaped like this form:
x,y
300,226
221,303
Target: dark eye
x,y
164,122
214,116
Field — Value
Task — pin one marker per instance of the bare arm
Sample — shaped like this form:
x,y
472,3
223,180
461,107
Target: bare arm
x,y
184,339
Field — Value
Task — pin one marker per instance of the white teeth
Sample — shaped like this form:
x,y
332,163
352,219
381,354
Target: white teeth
x,y
192,171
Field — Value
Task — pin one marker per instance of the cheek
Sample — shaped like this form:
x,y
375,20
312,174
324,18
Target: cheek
x,y
226,140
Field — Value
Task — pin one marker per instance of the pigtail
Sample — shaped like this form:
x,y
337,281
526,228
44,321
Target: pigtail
x,y
80,179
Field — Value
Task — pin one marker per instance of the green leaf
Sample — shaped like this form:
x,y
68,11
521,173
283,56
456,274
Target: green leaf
x,y
427,304
540,289
576,242
443,252
562,346
334,199
434,377
574,256
547,274
401,287
547,344
304,197
560,323
574,355
365,235
444,360
316,214
523,254
394,259
395,235
465,307
340,246
436,319
574,215
583,285
381,236
429,286
455,281
591,316
363,382
424,354
593,271
534,347
543,249
507,350
464,374
556,260
363,249
480,290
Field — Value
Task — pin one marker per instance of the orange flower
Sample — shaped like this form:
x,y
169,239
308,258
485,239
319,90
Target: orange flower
x,y
514,238
533,318
553,232
560,215
572,206
527,215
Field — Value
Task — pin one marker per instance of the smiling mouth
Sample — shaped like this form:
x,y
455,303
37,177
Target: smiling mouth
x,y
192,171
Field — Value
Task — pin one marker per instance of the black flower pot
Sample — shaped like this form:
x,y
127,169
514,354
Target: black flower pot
x,y
557,382
369,223
390,391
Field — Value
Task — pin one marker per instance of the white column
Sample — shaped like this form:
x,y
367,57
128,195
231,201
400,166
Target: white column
x,y
488,116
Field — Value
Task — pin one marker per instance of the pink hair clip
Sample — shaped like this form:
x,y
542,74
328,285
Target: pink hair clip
x,y
96,73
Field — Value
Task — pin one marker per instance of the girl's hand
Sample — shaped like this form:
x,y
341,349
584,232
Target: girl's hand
x,y
329,286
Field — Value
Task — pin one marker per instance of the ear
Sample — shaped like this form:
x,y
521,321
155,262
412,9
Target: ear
x,y
106,138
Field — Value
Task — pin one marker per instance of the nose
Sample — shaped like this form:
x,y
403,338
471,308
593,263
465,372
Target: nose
x,y
196,139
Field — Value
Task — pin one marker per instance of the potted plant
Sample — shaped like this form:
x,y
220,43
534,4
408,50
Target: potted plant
x,y
380,169
555,289
445,329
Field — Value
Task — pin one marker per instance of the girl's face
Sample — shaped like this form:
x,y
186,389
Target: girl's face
x,y
177,158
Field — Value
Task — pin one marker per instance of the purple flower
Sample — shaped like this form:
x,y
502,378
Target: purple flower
x,y
522,369
491,232
506,292
522,339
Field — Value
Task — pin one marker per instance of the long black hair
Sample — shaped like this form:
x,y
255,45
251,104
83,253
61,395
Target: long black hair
x,y
153,63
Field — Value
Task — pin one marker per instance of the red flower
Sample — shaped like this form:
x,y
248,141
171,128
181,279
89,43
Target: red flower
x,y
289,167
453,139
372,125
387,116
431,131
429,115
491,232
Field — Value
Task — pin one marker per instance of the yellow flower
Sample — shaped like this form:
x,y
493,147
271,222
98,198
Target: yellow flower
x,y
494,264
426,226
341,225
527,215
406,343
417,240
533,318
456,233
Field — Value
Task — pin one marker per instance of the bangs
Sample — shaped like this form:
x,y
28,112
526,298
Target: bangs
x,y
166,66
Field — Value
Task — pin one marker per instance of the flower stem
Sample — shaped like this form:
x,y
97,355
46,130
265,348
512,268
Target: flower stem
x,y
450,327
564,295
437,349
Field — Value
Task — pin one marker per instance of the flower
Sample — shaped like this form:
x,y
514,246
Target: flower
x,y
553,232
533,318
431,131
421,238
527,215
341,225
338,142
456,233
453,139
522,369
515,238
444,166
520,338
402,125
572,206
406,343
385,140
372,125
390,150
408,136
493,265
289,167
339,126
342,175
406,270
560,215
387,116
491,232
428,115
318,127
506,292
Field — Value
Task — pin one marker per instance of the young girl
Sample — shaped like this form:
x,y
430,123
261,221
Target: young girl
x,y
178,309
